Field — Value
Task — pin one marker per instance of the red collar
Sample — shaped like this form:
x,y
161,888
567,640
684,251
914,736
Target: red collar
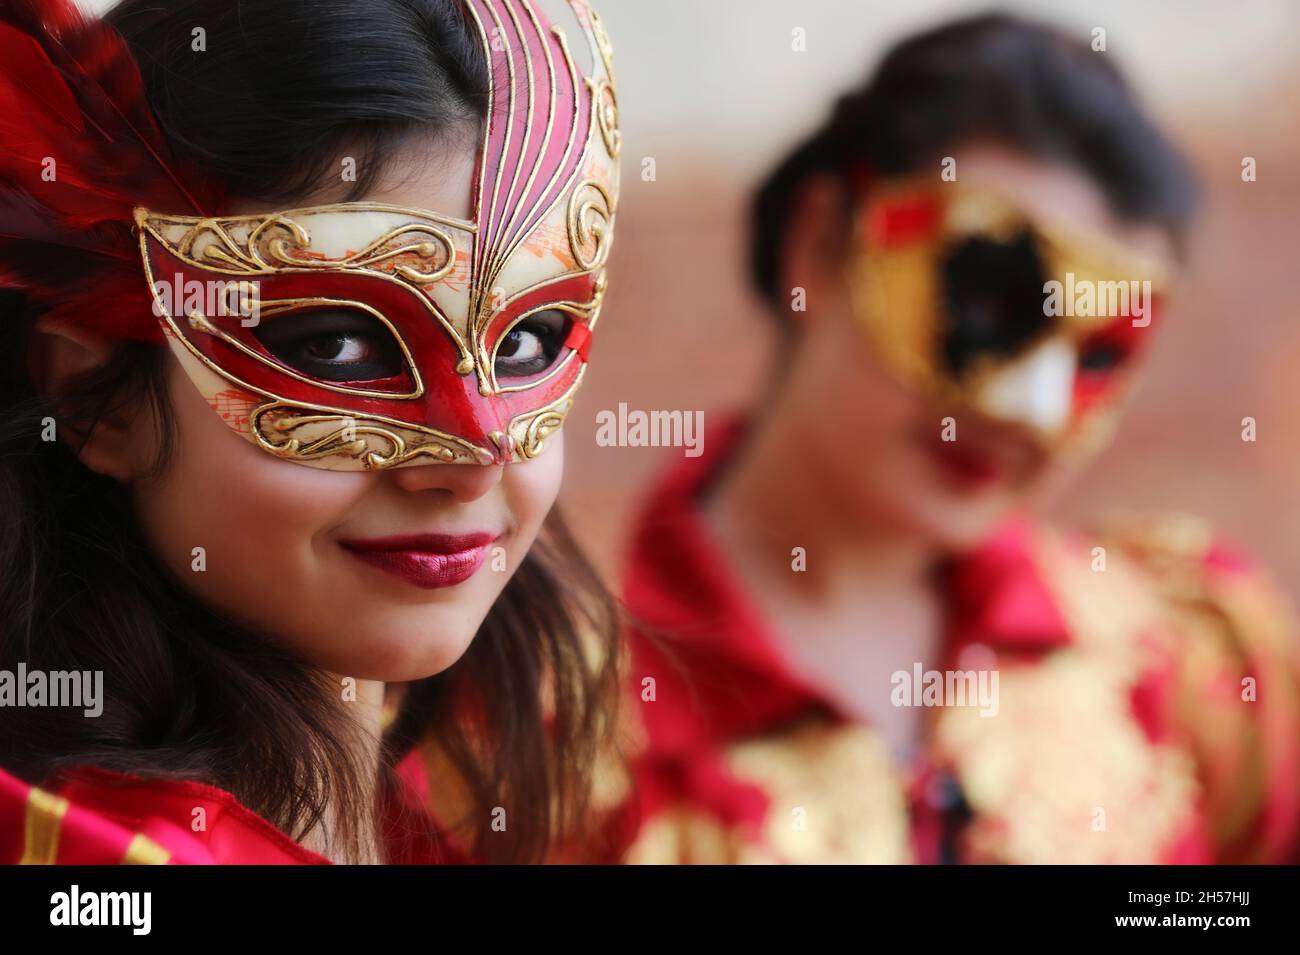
x,y
720,652
998,597
108,808
165,811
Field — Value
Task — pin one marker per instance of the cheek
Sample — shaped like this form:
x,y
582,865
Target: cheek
x,y
858,406
270,560
531,489
253,519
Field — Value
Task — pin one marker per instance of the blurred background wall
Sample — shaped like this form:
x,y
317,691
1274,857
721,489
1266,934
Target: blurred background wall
x,y
713,92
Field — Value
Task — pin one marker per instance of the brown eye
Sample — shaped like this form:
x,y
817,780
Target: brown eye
x,y
532,345
340,348
333,344
521,346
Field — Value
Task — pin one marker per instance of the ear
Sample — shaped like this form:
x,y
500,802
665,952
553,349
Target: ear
x,y
59,354
816,243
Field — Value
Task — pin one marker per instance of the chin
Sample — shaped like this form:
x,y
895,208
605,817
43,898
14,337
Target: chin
x,y
956,513
428,652
955,523
916,503
397,651
958,536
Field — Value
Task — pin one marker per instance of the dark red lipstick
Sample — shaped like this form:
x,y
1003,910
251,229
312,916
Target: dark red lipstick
x,y
429,561
966,467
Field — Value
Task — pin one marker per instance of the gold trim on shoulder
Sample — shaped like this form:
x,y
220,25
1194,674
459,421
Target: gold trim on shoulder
x,y
44,820
144,851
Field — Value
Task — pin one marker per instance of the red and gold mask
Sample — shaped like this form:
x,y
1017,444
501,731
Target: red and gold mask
x,y
969,299
373,336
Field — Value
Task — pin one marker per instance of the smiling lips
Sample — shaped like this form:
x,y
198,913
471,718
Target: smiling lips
x,y
968,468
429,561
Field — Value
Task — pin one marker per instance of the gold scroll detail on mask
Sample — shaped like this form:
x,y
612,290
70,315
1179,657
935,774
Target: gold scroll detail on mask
x,y
301,433
604,97
267,244
590,224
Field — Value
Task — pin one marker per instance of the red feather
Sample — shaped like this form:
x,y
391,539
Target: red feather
x,y
79,150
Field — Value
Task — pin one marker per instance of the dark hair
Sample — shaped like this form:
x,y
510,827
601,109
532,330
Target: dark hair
x,y
999,77
283,87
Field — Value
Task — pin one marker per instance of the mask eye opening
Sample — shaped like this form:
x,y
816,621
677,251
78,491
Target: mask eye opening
x,y
335,343
532,345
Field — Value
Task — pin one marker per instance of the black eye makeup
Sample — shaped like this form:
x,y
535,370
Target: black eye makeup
x,y
1101,358
1107,350
532,345
333,344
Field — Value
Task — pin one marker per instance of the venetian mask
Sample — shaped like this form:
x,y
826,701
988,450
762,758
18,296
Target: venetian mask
x,y
366,336
969,299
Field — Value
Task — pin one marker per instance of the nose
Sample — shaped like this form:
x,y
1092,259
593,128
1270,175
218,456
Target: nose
x,y
463,482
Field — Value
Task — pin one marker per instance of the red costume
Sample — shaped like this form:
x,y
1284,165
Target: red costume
x,y
1123,733
96,817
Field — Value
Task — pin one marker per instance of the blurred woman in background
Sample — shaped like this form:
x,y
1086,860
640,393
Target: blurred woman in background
x,y
854,643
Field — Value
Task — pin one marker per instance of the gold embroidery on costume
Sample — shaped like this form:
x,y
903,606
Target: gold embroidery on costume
x,y
835,795
686,836
1235,625
1065,756
1062,773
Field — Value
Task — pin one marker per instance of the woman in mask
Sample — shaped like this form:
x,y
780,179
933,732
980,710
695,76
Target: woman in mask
x,y
298,296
